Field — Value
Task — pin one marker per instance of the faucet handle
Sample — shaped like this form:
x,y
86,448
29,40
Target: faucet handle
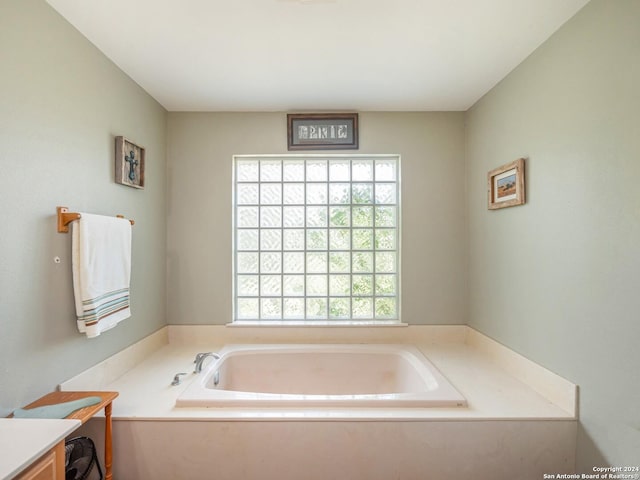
x,y
176,378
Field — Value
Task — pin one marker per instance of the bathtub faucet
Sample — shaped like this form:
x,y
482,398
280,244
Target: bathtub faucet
x,y
200,358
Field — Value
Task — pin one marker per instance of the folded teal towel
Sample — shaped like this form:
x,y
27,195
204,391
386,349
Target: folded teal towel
x,y
58,410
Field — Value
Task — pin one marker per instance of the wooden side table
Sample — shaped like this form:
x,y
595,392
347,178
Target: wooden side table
x,y
85,414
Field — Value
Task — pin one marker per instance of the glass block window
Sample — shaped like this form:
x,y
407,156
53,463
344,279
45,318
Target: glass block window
x,y
316,238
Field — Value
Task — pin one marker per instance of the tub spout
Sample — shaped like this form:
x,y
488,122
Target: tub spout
x,y
201,357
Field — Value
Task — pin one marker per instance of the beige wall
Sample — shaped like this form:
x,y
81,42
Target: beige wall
x,y
61,104
200,147
558,278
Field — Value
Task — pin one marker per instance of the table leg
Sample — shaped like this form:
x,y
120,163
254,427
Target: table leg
x,y
108,458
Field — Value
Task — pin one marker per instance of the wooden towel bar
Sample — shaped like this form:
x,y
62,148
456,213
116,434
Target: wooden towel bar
x,y
65,217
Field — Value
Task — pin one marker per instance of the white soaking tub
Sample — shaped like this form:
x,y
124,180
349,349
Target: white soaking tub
x,y
320,376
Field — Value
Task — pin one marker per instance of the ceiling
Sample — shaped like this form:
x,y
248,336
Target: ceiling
x,y
317,55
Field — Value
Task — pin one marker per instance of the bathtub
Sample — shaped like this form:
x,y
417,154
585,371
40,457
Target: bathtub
x,y
320,376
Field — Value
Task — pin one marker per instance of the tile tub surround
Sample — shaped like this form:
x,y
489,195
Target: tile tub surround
x,y
354,450
509,429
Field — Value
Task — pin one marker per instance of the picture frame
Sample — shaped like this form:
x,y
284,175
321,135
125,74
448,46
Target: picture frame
x,y
506,185
322,131
129,163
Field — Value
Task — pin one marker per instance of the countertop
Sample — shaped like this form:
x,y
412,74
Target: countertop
x,y
24,440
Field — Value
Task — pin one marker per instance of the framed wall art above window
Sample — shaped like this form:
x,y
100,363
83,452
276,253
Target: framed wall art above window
x,y
322,131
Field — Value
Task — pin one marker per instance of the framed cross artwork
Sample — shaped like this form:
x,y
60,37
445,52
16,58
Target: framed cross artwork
x,y
129,163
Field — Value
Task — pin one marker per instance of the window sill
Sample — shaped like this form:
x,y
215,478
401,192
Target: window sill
x,y
316,323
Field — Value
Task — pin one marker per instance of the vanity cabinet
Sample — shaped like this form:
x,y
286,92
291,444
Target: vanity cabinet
x,y
48,467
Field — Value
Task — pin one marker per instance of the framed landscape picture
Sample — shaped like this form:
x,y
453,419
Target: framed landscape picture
x,y
322,131
505,185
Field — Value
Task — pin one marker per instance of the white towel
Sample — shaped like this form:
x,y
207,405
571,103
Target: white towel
x,y
101,259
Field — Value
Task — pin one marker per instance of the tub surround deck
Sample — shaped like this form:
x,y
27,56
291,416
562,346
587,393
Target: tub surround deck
x,y
519,423
497,383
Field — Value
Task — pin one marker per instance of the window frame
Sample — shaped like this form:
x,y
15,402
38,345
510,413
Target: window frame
x,y
328,320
